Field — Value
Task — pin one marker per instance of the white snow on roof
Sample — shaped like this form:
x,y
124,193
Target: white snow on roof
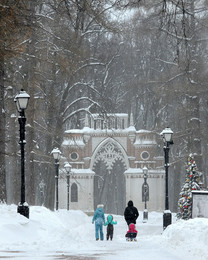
x,y
140,171
143,131
73,142
74,131
87,130
200,191
82,171
134,171
140,141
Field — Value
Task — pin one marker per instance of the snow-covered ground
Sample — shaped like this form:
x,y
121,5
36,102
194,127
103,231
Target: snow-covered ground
x,y
70,235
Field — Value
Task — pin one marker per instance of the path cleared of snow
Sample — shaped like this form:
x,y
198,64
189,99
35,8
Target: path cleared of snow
x,y
70,235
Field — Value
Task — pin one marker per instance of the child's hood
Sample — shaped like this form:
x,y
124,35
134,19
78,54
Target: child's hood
x,y
99,210
132,227
110,218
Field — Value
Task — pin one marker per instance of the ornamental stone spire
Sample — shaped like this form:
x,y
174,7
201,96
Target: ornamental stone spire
x,y
131,119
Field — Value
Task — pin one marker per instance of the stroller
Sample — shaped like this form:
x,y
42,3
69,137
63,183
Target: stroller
x,y
131,233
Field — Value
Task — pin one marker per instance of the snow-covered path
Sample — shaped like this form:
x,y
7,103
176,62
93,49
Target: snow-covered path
x,y
149,245
70,235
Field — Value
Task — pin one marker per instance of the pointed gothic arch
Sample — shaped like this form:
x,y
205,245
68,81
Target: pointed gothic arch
x,y
109,162
123,154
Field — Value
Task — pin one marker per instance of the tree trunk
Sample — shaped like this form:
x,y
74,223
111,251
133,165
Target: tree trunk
x,y
194,105
2,137
12,138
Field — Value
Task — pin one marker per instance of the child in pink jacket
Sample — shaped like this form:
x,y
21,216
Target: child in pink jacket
x,y
131,233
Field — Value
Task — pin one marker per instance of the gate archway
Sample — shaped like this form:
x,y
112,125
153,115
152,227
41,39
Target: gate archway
x,y
109,163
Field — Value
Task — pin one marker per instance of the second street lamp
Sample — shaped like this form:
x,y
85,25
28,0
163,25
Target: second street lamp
x,y
68,167
56,155
21,101
167,139
145,194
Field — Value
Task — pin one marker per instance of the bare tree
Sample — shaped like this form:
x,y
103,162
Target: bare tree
x,y
13,21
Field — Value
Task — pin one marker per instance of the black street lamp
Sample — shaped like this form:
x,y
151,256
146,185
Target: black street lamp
x,y
167,139
21,101
68,167
42,192
145,194
56,155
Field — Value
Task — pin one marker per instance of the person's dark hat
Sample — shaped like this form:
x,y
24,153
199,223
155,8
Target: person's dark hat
x,y
130,203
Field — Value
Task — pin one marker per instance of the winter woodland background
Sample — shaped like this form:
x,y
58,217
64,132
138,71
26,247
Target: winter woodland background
x,y
106,56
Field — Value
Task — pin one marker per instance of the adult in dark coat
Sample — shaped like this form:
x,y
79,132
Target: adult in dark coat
x,y
131,213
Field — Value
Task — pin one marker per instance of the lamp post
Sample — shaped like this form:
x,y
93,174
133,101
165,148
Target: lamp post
x,y
68,167
56,155
42,192
21,101
167,139
145,194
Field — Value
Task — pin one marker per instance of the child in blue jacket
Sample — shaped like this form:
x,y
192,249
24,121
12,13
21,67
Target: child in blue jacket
x,y
99,220
109,223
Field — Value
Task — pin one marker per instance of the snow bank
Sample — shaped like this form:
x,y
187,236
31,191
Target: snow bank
x,y
190,236
45,230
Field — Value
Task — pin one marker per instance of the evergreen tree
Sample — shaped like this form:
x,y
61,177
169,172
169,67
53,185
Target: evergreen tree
x,y
192,182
